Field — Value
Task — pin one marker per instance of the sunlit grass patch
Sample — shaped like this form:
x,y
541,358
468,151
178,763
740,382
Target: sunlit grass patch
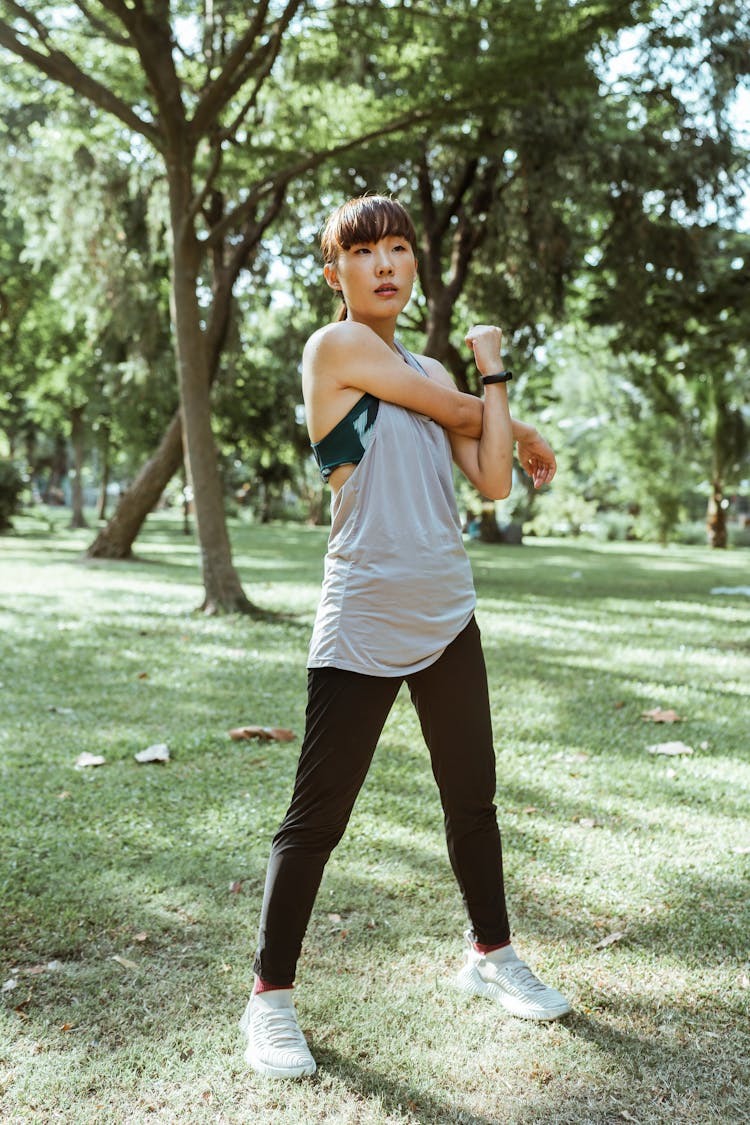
x,y
130,892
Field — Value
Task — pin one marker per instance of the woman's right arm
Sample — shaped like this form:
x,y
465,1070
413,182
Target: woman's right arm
x,y
347,356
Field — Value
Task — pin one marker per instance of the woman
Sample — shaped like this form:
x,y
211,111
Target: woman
x,y
397,604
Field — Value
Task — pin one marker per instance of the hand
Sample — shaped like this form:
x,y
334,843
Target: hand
x,y
486,341
536,458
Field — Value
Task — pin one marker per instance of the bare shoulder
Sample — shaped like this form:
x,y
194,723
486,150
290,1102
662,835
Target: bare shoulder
x,y
436,371
335,342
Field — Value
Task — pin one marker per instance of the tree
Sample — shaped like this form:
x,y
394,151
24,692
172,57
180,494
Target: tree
x,y
93,351
671,269
195,88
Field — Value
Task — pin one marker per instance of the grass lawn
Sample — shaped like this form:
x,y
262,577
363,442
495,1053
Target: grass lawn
x,y
130,893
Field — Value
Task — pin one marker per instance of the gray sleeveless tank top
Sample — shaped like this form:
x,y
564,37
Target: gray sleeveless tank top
x,y
397,587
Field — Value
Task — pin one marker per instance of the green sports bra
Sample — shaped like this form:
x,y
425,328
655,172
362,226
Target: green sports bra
x,y
346,443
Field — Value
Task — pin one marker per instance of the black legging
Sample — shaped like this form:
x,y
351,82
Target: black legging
x,y
346,712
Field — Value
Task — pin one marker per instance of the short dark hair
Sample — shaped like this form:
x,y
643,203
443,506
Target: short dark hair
x,y
367,218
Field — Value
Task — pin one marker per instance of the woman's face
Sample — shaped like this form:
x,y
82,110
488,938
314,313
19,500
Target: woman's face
x,y
375,278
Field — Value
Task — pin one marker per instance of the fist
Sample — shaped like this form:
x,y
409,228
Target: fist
x,y
486,341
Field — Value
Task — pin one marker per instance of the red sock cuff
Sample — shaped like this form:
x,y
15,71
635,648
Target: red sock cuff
x,y
490,948
264,986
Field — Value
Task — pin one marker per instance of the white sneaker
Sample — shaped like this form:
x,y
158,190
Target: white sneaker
x,y
275,1043
511,982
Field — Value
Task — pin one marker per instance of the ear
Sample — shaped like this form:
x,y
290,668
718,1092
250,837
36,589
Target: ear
x,y
332,277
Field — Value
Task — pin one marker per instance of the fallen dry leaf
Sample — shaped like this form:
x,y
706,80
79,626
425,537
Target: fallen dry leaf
x,y
9,985
267,734
656,715
671,749
142,936
123,961
64,795
235,888
157,753
85,759
610,939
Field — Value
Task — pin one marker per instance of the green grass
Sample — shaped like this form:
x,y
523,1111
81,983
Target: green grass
x,y
600,837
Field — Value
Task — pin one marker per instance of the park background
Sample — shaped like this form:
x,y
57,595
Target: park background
x,y
577,173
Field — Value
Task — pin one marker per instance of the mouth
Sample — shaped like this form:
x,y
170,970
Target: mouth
x,y
387,289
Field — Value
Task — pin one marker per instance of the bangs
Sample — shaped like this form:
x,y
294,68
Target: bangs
x,y
367,219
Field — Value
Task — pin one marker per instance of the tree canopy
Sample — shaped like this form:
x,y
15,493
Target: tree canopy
x,y
167,166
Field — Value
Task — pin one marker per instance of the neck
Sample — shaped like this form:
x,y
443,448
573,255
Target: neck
x,y
385,329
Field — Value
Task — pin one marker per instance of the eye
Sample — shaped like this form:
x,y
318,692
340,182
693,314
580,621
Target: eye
x,y
362,250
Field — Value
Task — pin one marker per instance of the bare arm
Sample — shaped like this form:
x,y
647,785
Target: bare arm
x,y
535,454
486,460
344,360
350,357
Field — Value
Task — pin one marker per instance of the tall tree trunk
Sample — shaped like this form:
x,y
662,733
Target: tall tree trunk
x,y
77,441
186,528
104,447
58,468
716,516
223,590
115,541
716,513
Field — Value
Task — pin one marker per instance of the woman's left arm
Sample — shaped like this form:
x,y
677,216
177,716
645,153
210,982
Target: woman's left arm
x,y
485,460
534,453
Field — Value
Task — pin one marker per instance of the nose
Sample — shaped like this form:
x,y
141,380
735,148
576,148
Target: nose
x,y
383,263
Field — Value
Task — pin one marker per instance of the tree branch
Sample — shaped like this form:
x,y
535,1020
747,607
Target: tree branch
x,y
425,194
101,26
271,50
313,160
432,236
222,88
31,19
60,67
222,297
254,231
465,182
150,32
213,171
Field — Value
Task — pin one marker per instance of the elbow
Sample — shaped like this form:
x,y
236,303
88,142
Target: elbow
x,y
496,481
500,492
495,488
468,421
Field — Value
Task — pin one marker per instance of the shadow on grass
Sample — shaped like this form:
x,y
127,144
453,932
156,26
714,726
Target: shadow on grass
x,y
668,1078
365,1082
125,854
